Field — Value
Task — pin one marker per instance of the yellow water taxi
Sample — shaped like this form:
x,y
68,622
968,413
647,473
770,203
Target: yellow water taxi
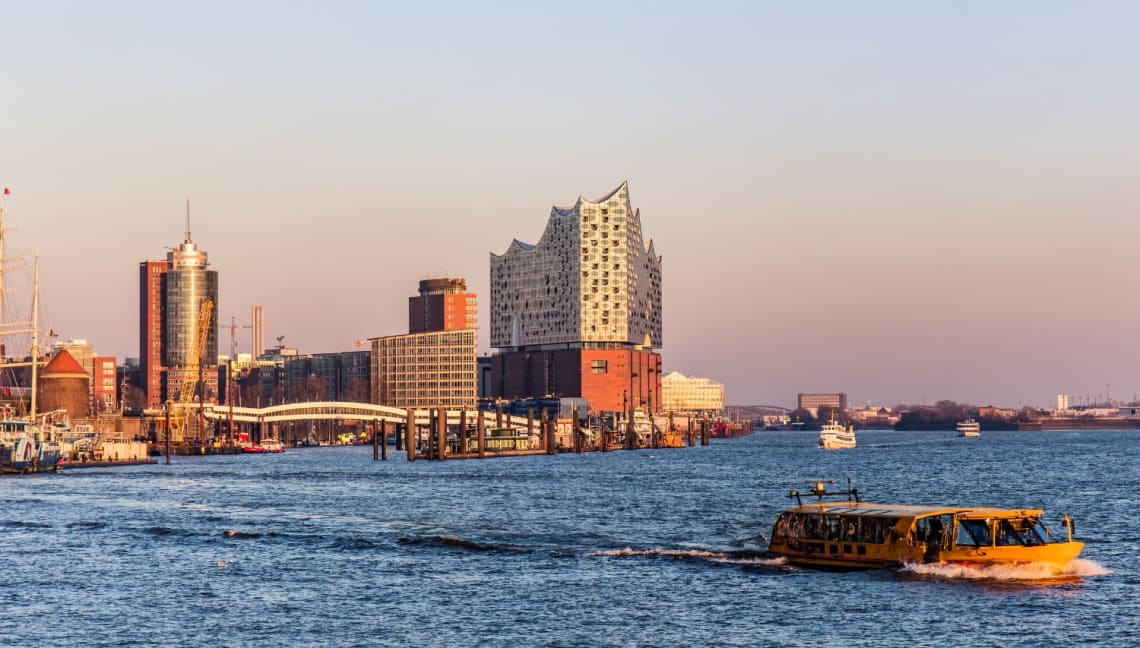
x,y
853,534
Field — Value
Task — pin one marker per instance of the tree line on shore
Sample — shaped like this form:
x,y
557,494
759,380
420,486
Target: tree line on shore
x,y
944,414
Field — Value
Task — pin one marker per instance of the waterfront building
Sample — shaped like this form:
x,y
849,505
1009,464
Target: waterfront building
x,y
150,331
64,385
442,305
104,385
171,293
343,376
691,395
578,314
102,395
812,402
434,364
1062,401
420,370
483,380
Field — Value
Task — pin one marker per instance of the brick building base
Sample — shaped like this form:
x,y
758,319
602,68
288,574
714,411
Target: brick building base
x,y
606,378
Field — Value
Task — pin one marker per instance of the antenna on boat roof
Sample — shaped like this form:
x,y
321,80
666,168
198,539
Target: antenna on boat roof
x,y
819,490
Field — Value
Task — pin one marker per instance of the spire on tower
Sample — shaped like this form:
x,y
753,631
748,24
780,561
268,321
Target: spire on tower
x,y
188,220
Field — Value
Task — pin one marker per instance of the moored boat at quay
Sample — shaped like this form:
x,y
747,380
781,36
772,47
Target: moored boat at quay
x,y
852,534
268,446
25,448
26,445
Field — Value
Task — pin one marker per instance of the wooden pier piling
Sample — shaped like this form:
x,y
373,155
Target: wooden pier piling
x,y
384,440
480,434
577,433
551,434
411,437
441,435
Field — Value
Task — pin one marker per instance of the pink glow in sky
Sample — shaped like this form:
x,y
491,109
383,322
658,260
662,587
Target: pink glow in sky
x,y
902,201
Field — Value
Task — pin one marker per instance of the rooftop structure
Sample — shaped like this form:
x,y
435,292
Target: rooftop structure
x,y
591,278
578,314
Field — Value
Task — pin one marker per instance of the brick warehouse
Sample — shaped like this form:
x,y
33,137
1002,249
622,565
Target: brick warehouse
x,y
601,376
579,313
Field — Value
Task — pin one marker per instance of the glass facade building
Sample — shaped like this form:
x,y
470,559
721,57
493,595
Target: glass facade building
x,y
183,292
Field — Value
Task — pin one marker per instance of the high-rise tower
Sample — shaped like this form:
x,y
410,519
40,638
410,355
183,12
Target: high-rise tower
x,y
171,294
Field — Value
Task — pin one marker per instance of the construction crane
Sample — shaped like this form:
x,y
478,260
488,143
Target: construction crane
x,y
180,414
234,326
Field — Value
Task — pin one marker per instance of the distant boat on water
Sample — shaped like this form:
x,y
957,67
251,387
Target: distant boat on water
x,y
833,435
969,428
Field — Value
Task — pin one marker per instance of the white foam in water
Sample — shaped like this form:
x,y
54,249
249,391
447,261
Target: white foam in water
x,y
774,562
713,556
669,553
1022,572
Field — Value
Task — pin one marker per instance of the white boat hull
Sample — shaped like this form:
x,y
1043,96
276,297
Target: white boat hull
x,y
830,438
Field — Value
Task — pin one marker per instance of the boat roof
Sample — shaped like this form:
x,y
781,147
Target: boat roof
x,y
907,510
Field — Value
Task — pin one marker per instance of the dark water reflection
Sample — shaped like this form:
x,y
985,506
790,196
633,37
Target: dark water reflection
x,y
326,547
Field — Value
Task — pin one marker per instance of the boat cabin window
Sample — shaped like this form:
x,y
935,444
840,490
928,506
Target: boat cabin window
x,y
844,528
932,528
973,533
1018,533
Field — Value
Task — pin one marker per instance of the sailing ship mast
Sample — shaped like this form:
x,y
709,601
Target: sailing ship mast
x,y
35,337
10,328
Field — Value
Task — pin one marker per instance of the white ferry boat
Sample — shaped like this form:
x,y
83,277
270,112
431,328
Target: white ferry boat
x,y
833,435
969,428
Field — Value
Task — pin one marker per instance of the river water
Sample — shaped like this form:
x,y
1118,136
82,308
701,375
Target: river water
x,y
323,546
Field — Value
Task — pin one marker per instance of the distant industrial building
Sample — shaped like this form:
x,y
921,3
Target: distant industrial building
x,y
433,366
681,393
171,292
812,402
578,315
1062,401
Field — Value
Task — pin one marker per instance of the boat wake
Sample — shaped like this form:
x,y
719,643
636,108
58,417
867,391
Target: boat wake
x,y
451,542
699,555
1078,568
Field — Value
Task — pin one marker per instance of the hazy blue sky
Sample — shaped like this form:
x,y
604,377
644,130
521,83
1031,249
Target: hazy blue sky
x,y
904,201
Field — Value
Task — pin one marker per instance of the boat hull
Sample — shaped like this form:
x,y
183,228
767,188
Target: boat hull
x,y
1058,555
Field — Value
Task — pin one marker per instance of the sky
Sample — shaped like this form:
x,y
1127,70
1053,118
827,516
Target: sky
x,y
902,201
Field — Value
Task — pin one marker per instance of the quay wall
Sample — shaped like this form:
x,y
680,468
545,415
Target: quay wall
x,y
1083,423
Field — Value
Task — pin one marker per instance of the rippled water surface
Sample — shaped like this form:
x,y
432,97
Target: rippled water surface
x,y
323,546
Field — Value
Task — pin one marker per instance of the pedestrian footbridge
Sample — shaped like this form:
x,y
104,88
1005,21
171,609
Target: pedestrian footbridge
x,y
346,411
